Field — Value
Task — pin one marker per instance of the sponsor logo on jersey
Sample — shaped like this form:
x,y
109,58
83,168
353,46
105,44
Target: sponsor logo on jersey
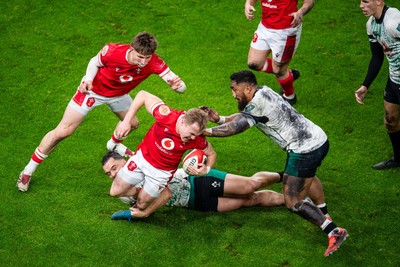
x,y
132,166
168,143
125,78
269,5
90,102
164,110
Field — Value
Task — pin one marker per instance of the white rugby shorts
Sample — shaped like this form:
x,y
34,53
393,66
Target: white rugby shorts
x,y
85,103
282,43
137,170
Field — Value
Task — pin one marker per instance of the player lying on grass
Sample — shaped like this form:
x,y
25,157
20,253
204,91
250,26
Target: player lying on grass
x,y
217,191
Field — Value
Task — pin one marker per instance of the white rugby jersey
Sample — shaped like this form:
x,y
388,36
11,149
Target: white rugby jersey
x,y
272,115
386,31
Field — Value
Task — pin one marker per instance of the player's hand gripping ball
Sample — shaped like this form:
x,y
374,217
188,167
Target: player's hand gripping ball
x,y
194,158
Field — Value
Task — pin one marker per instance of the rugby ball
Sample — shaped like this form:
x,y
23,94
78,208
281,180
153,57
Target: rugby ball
x,y
194,158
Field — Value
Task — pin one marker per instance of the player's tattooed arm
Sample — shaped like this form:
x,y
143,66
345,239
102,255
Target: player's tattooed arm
x,y
237,124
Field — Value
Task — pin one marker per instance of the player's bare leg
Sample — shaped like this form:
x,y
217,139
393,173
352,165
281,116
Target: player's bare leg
x,y
258,60
316,193
286,79
120,188
294,190
241,185
115,143
68,124
265,198
144,200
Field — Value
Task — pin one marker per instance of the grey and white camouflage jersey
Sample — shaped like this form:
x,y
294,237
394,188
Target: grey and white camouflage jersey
x,y
180,188
272,115
386,31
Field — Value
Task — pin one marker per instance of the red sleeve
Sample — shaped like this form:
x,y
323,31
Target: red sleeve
x,y
158,65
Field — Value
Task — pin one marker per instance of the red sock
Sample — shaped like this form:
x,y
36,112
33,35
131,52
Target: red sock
x,y
38,156
267,66
115,139
287,84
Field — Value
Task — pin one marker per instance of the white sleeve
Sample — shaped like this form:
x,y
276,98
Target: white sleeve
x,y
170,75
92,68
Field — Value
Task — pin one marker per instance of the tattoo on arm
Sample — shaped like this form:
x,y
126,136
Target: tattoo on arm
x,y
237,125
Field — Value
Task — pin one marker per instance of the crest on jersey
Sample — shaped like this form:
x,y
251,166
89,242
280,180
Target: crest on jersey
x,y
132,166
164,110
249,107
168,143
255,37
90,102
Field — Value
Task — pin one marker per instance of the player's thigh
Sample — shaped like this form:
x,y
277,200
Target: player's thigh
x,y
119,187
240,185
229,204
70,121
257,57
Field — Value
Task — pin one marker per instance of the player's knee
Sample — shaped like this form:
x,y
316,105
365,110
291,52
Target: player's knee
x,y
60,134
391,124
113,192
295,208
141,204
253,66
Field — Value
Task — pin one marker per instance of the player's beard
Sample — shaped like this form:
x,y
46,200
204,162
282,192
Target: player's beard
x,y
242,104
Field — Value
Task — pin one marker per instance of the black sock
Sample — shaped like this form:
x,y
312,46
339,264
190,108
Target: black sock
x,y
395,139
329,228
324,209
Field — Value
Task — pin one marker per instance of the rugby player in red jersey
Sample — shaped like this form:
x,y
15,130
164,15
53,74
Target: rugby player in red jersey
x,y
110,76
160,152
277,34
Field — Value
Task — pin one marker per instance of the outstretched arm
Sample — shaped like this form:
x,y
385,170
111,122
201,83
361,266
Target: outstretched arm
x,y
142,98
175,82
234,124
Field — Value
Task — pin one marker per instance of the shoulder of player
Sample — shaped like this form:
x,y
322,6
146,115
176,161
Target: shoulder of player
x,y
112,47
392,20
